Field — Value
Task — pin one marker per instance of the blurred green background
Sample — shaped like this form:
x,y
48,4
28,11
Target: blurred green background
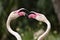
x,y
27,27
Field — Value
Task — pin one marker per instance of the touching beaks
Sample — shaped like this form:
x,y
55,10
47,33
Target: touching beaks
x,y
25,12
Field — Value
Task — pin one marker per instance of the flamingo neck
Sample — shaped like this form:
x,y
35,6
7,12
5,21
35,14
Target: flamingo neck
x,y
11,31
46,32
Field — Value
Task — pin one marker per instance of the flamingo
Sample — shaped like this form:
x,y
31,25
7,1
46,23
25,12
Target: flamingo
x,y
13,15
41,17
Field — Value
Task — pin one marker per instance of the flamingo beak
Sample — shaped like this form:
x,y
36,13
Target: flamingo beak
x,y
32,15
22,12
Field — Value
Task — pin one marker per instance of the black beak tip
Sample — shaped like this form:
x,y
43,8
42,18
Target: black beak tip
x,y
24,10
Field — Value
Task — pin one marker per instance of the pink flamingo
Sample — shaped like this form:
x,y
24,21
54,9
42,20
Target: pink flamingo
x,y
41,17
13,15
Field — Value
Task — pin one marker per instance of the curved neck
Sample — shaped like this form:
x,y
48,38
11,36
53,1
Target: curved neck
x,y
46,32
11,31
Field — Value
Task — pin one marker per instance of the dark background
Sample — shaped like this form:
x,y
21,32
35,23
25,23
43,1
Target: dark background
x,y
26,27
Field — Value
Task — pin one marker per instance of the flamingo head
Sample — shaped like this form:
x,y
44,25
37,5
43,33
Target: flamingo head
x,y
17,13
37,16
